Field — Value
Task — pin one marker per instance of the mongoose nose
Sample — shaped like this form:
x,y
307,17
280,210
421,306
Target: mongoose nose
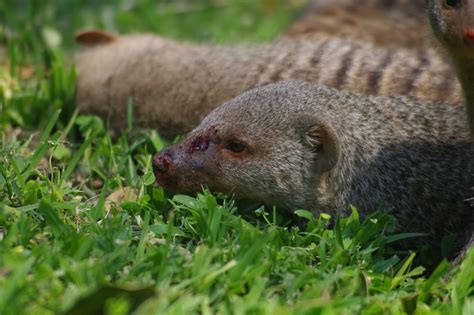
x,y
162,162
469,34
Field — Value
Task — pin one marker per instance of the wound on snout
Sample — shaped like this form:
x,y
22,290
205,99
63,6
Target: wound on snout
x,y
201,143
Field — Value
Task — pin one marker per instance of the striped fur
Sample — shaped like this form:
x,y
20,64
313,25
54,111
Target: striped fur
x,y
175,84
385,23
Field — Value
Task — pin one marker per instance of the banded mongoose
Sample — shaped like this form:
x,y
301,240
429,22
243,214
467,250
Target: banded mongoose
x,y
297,145
453,24
175,84
392,24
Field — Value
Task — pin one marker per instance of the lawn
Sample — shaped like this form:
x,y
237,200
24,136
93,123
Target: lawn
x,y
84,228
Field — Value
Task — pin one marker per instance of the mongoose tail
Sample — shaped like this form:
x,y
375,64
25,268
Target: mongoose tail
x,y
453,25
295,145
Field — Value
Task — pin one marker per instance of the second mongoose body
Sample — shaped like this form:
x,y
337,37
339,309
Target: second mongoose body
x,y
384,23
173,84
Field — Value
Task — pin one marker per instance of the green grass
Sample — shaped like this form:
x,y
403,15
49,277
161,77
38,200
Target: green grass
x,y
68,246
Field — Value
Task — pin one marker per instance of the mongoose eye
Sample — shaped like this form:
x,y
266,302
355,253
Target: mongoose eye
x,y
235,147
451,3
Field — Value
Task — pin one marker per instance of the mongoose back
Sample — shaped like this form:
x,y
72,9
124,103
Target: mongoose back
x,y
297,145
175,84
384,23
453,24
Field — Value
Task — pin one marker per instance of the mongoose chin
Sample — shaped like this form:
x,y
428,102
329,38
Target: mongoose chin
x,y
295,145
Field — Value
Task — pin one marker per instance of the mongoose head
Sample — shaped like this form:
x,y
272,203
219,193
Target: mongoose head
x,y
453,24
261,146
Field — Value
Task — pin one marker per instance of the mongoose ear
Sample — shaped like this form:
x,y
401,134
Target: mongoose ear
x,y
321,138
94,37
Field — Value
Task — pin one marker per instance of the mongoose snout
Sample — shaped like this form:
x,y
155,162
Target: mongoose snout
x,y
164,166
187,166
162,163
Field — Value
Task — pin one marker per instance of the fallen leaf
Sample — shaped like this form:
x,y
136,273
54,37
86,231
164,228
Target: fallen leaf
x,y
117,198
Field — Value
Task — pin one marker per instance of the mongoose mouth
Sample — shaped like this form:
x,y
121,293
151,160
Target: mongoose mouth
x,y
173,177
163,168
167,182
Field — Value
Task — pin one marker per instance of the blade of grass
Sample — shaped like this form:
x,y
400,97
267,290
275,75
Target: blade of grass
x,y
400,275
58,227
463,282
13,284
71,165
43,145
441,270
98,210
70,124
143,237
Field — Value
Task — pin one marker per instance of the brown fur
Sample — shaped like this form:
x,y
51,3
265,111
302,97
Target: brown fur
x,y
295,145
175,84
391,24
